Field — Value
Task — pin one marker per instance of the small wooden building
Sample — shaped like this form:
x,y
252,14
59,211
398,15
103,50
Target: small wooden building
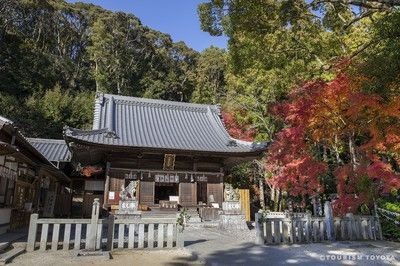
x,y
177,151
56,151
28,181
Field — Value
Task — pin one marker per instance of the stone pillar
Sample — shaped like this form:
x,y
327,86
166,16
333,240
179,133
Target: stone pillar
x,y
30,244
93,225
378,228
329,221
259,229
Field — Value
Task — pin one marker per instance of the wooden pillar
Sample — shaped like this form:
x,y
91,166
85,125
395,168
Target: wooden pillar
x,y
106,186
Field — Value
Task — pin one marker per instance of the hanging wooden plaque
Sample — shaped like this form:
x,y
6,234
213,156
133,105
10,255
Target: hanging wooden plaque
x,y
169,162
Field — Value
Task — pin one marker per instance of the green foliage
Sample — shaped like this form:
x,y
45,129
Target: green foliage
x,y
210,76
183,218
389,205
80,48
241,175
57,108
389,230
381,63
276,45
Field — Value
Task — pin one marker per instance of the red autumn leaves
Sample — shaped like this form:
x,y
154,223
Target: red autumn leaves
x,y
358,131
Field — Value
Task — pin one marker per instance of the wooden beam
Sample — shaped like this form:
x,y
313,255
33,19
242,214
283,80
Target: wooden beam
x,y
107,185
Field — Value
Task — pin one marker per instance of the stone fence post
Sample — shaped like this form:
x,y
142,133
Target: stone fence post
x,y
329,221
93,225
377,223
30,243
259,229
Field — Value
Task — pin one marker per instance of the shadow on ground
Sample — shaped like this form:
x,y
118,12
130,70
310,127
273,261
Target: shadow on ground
x,y
183,261
188,243
312,254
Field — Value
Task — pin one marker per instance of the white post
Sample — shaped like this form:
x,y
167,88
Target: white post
x,y
30,245
328,221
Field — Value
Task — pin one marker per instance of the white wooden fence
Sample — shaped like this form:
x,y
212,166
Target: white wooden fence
x,y
107,234
279,228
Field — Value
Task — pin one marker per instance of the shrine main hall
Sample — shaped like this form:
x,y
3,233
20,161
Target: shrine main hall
x,y
178,152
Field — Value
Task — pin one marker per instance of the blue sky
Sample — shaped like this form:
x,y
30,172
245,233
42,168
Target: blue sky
x,y
177,18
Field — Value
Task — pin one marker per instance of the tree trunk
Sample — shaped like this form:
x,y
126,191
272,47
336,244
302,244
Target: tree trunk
x,y
335,147
96,77
277,200
262,198
352,151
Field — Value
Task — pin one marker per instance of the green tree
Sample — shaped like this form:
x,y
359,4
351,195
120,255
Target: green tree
x,y
58,108
210,76
274,45
82,48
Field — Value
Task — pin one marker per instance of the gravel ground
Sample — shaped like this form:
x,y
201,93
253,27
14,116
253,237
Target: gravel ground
x,y
210,246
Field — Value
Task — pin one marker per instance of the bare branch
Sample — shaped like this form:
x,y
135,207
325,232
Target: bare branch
x,y
365,15
369,4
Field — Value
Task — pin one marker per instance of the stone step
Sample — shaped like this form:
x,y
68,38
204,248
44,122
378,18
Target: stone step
x,y
203,225
158,215
9,255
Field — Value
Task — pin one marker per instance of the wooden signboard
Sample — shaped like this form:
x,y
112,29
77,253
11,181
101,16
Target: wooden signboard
x,y
49,204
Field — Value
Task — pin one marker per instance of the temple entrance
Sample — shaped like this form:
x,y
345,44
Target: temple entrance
x,y
202,193
163,191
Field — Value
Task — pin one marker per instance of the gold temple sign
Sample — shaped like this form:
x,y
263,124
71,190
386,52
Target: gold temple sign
x,y
169,162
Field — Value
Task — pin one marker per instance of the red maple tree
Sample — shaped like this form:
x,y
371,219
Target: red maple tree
x,y
236,130
360,130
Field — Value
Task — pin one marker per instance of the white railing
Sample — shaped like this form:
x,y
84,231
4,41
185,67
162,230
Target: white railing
x,y
290,228
107,234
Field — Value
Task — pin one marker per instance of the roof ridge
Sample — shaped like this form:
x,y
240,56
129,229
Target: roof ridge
x,y
47,140
159,101
6,120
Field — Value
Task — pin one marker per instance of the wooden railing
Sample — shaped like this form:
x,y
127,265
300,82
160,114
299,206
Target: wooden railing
x,y
107,234
305,228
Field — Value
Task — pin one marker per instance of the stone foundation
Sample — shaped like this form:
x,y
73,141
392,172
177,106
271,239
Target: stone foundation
x,y
232,222
128,209
231,207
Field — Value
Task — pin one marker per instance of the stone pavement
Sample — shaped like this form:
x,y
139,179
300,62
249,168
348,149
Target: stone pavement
x,y
211,246
19,237
216,248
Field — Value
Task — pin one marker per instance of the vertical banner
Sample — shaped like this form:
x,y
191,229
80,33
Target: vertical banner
x,y
245,202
